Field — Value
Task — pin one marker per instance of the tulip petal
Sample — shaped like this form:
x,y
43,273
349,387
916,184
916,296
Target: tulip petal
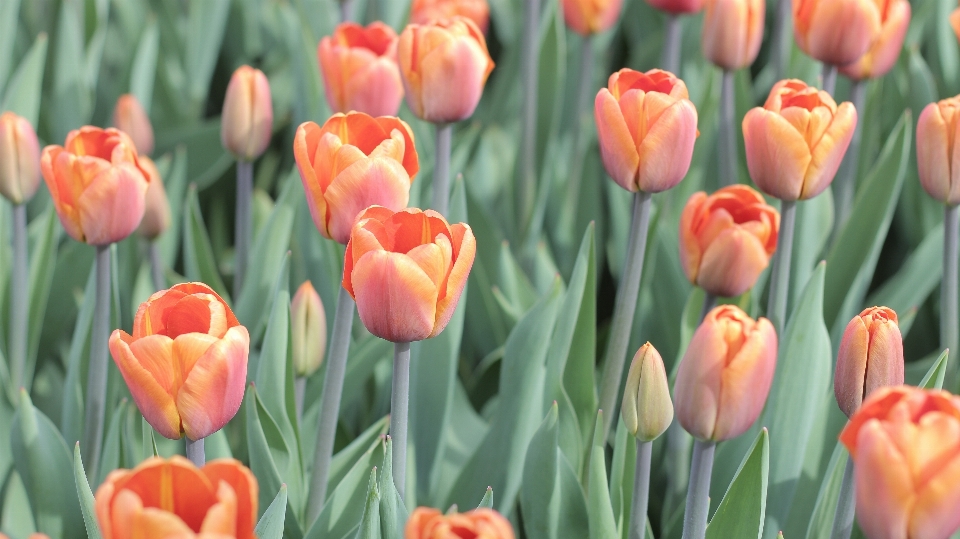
x,y
367,182
883,485
304,149
690,252
667,149
244,484
841,32
851,366
153,400
453,76
696,392
396,300
885,359
938,488
746,382
130,519
212,392
376,89
221,518
777,154
173,485
112,206
828,152
732,263
617,146
465,250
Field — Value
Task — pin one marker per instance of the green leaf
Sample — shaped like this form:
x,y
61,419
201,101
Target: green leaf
x,y
71,415
934,377
622,471
487,501
23,92
145,65
86,496
207,22
602,523
111,455
392,512
270,525
73,100
343,461
916,279
198,258
370,521
43,260
821,520
344,507
742,510
540,478
9,18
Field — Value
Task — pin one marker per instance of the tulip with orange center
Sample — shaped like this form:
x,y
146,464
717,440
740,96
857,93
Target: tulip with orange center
x,y
247,119
796,141
174,498
837,32
354,161
130,117
727,239
156,215
732,32
483,523
406,271
677,7
19,159
886,47
444,66
938,153
587,17
870,357
359,67
97,184
905,444
647,126
427,11
186,362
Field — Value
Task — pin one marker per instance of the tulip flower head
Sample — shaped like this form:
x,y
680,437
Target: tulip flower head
x,y
905,442
19,159
676,7
483,523
885,49
308,330
174,498
359,67
156,215
406,271
837,32
732,32
727,239
428,11
588,17
97,184
186,362
647,126
647,409
870,357
247,120
796,141
444,66
354,161
938,163
129,117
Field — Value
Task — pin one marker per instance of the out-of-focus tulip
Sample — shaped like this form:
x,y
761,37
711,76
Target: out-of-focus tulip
x,y
905,442
732,32
174,498
870,357
156,215
406,270
885,49
308,329
19,159
647,126
444,66
587,17
647,409
837,32
429,523
247,120
186,362
359,67
796,141
727,239
31,536
97,184
677,7
427,11
129,117
725,374
354,161
955,22
938,153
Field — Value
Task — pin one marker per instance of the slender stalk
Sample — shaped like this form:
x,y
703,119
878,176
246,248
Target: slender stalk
x,y
299,389
698,492
330,403
780,278
19,308
441,170
728,133
846,508
948,288
671,44
195,452
530,76
345,10
709,302
243,225
781,39
846,183
399,414
641,491
578,154
829,78
624,309
97,370
156,268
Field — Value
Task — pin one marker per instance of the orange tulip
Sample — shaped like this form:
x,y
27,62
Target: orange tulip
x,y
837,32
727,239
905,443
97,184
587,17
186,362
247,119
725,375
677,7
647,410
31,536
174,498
428,11
796,141
352,162
885,49
156,215
359,67
938,151
870,357
444,66
19,159
732,32
406,271
129,117
955,22
429,523
647,127
308,330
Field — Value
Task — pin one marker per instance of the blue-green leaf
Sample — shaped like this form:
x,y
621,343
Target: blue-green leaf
x,y
602,523
270,525
22,94
742,510
86,496
934,377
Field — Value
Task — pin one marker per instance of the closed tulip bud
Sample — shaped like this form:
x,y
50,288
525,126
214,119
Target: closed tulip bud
x,y
359,67
677,7
129,117
174,498
444,66
870,357
647,409
19,159
905,442
836,32
97,184
732,32
647,126
247,119
725,375
354,161
885,49
428,11
406,271
727,239
588,17
938,152
186,362
483,523
156,215
796,141
308,328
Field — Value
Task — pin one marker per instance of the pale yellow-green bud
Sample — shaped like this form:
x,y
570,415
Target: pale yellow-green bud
x,y
308,327
647,409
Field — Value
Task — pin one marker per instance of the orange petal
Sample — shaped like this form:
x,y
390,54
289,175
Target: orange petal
x,y
112,205
851,366
883,485
212,392
732,263
380,181
828,152
777,155
617,146
465,249
221,518
153,400
746,382
244,484
453,76
396,300
697,390
667,149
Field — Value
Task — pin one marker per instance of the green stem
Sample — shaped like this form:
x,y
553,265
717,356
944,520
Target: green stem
x,y
846,506
781,39
780,277
345,10
728,135
948,289
399,414
441,170
846,183
530,72
698,492
641,491
829,78
156,268
709,302
299,390
19,307
672,40
195,452
243,225
97,370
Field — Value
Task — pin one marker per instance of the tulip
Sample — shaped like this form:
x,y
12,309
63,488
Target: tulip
x,y
885,48
428,11
19,159
444,66
677,7
31,536
360,70
247,118
482,523
174,498
308,330
905,443
186,362
837,32
727,239
354,161
129,117
870,357
587,17
732,32
156,215
647,409
955,22
406,271
647,127
938,151
97,184
725,375
796,141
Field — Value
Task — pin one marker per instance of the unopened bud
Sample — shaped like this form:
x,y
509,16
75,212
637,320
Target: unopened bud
x,y
247,120
870,357
19,159
129,117
156,214
647,409
308,324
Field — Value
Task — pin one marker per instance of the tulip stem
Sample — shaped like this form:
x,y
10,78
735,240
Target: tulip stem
x,y
399,413
243,225
698,491
156,268
19,308
948,289
709,302
299,390
195,452
330,403
577,154
846,182
530,69
672,39
641,491
780,278
829,78
728,134
97,370
846,508
344,10
624,309
441,170
781,39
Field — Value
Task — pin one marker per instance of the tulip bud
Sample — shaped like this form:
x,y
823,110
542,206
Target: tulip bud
x,y
308,328
129,117
588,17
836,32
359,67
156,215
428,11
885,49
725,375
870,357
677,7
647,409
481,523
732,32
19,159
936,148
247,120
